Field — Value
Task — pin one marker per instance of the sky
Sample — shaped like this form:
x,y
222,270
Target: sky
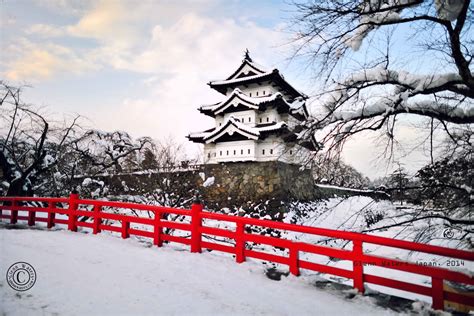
x,y
143,66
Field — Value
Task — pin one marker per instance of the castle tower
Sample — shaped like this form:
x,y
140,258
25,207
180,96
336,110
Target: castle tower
x,y
258,119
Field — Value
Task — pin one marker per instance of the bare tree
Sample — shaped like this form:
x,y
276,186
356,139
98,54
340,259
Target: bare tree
x,y
366,88
100,151
327,170
382,63
30,145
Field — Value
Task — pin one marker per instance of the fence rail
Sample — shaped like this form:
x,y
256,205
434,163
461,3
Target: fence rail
x,y
73,207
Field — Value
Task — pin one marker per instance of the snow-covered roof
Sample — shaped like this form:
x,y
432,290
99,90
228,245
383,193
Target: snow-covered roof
x,y
255,74
252,68
242,79
297,107
233,125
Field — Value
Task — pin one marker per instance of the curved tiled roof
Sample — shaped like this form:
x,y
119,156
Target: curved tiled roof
x,y
248,131
297,107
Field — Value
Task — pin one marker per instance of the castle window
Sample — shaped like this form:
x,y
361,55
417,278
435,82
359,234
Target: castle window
x,y
220,124
257,93
250,119
250,94
249,151
291,152
260,120
220,153
241,151
263,151
271,151
234,152
227,153
263,92
214,154
209,155
268,119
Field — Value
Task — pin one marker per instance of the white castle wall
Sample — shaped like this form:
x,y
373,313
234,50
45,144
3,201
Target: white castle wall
x,y
255,90
247,117
252,117
270,149
243,150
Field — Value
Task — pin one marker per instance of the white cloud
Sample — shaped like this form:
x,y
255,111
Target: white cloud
x,y
179,51
196,42
181,59
65,7
35,62
45,30
109,22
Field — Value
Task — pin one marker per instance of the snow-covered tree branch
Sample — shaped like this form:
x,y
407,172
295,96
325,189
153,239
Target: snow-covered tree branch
x,y
39,155
29,144
369,80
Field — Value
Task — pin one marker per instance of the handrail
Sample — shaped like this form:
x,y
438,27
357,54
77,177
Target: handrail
x,y
54,206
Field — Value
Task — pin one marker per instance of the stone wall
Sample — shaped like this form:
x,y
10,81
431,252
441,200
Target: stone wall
x,y
241,182
235,184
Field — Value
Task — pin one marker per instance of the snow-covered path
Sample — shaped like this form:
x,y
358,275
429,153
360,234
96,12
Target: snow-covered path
x,y
97,275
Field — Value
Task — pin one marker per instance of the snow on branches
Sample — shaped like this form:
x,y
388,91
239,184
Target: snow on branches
x,y
405,86
365,91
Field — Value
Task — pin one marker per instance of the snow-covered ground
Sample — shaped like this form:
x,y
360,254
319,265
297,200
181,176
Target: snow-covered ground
x,y
351,214
84,274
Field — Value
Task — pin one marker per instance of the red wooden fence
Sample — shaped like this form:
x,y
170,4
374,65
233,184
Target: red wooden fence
x,y
241,236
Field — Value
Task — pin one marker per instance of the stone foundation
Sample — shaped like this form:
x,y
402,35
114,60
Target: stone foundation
x,y
235,184
241,182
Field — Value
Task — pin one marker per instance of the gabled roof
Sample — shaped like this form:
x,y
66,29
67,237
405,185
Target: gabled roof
x,y
247,61
297,108
256,74
232,126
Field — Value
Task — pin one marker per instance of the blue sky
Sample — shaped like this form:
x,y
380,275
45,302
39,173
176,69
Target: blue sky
x,y
142,66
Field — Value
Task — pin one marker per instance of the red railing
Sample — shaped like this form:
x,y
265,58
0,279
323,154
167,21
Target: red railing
x,y
241,235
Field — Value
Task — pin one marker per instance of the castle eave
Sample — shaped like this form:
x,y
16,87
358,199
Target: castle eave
x,y
244,102
233,126
274,75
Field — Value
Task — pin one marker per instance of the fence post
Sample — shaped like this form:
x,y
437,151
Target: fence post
x,y
358,265
14,212
73,197
157,230
437,293
240,243
31,218
97,219
51,214
196,223
125,229
294,259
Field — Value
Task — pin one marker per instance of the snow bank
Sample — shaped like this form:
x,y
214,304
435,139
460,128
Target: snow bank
x,y
85,274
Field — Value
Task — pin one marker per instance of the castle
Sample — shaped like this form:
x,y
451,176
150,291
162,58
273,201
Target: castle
x,y
257,121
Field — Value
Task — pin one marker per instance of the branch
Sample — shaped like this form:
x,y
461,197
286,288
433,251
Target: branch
x,y
452,221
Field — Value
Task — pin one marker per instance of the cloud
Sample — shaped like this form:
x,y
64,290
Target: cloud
x,y
108,22
180,59
45,30
36,62
65,7
176,46
200,42
141,37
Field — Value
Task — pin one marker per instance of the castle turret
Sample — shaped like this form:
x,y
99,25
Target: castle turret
x,y
256,121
